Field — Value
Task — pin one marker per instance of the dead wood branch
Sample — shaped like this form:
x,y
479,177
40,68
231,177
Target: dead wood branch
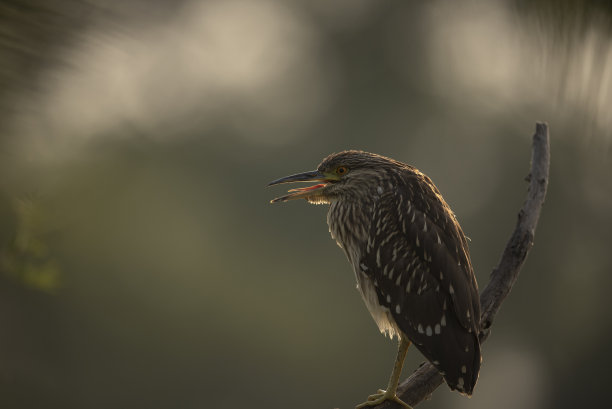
x,y
421,384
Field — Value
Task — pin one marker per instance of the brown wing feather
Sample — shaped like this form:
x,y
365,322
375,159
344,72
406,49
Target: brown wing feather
x,y
420,264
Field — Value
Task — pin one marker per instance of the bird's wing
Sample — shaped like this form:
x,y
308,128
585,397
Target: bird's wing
x,y
418,261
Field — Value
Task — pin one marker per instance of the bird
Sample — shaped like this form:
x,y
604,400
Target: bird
x,y
410,258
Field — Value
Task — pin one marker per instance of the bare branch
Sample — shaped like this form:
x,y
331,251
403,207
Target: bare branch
x,y
421,384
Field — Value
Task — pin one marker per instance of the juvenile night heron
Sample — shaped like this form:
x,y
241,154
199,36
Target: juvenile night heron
x,y
410,258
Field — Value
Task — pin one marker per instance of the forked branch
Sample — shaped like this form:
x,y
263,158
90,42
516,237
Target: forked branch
x,y
421,384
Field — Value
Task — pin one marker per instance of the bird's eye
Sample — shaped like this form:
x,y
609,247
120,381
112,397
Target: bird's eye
x,y
341,170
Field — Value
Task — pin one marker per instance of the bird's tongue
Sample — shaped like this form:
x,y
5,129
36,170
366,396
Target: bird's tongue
x,y
305,189
299,193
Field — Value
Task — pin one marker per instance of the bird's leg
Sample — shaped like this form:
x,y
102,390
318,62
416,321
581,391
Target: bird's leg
x,y
390,393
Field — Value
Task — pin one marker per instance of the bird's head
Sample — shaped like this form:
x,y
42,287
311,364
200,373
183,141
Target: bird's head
x,y
340,176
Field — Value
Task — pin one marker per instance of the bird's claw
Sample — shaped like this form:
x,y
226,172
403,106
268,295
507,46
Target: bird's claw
x,y
377,395
380,397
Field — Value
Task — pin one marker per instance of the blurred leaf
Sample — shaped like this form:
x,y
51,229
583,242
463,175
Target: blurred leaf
x,y
28,258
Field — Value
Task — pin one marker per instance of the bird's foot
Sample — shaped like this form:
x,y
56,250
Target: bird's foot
x,y
380,397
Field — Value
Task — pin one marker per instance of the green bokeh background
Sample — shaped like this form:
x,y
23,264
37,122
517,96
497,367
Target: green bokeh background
x,y
142,266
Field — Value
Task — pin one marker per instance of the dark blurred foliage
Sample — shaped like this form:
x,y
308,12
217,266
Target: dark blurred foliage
x,y
141,265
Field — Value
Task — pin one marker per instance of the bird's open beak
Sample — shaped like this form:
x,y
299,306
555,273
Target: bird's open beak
x,y
304,192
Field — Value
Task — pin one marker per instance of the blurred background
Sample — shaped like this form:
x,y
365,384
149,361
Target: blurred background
x,y
142,266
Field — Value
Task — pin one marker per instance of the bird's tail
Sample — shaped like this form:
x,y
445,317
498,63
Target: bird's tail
x,y
463,378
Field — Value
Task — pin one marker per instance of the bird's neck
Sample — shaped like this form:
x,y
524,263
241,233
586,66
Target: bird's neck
x,y
349,223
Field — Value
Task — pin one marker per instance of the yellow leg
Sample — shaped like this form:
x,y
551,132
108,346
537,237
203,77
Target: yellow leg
x,y
390,393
